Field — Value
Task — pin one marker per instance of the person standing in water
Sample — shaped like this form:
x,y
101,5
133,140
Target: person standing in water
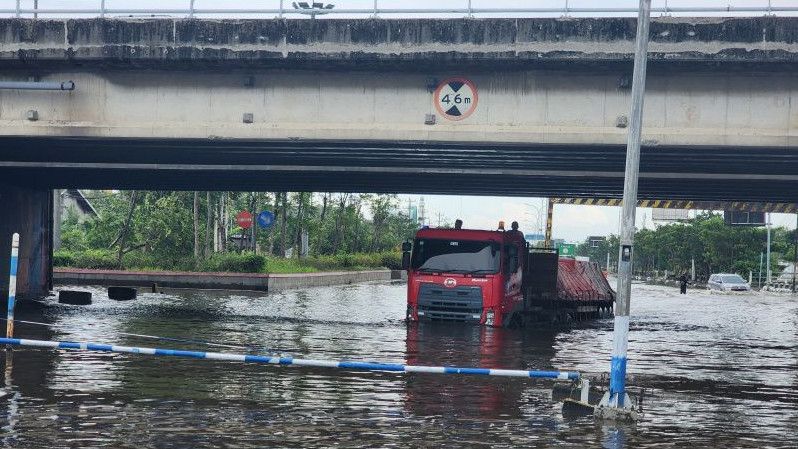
x,y
683,281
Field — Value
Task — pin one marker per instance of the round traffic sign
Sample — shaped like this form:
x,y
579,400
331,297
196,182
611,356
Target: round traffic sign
x,y
456,98
244,219
265,219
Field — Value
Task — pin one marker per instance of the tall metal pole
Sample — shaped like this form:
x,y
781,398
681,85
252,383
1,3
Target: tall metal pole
x,y
767,258
617,391
12,285
549,220
795,254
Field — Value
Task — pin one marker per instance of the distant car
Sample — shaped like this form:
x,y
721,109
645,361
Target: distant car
x,y
726,282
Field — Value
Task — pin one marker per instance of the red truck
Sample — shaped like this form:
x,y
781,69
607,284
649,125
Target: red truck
x,y
494,278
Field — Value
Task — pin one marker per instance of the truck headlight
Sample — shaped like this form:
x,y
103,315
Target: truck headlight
x,y
489,317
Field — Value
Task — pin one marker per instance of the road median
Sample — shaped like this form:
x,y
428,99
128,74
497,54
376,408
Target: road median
x,y
215,280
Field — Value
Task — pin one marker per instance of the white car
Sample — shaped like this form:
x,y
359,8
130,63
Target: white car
x,y
726,282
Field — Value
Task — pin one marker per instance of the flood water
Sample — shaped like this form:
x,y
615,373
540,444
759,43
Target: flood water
x,y
720,370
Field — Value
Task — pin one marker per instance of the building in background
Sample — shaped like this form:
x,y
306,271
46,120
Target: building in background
x,y
74,202
69,202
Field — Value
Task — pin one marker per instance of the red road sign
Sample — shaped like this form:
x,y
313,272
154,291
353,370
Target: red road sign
x,y
455,98
244,219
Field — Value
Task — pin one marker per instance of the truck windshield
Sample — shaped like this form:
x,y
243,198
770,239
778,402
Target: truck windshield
x,y
455,256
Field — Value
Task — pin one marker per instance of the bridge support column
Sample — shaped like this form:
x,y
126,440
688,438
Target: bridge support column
x,y
30,213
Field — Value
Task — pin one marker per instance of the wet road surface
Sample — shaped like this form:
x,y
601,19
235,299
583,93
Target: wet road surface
x,y
720,370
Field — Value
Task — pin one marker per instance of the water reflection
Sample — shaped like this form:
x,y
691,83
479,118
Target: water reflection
x,y
720,371
487,397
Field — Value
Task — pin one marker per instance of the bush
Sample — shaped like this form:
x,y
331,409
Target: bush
x,y
63,258
280,265
96,259
345,261
246,262
392,260
147,261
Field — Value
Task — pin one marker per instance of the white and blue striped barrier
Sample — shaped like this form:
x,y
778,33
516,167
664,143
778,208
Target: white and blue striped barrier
x,y
12,285
280,360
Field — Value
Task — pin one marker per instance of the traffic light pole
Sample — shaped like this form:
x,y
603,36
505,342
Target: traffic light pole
x,y
616,403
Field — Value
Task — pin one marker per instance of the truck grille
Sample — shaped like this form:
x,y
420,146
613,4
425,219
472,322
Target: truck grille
x,y
436,302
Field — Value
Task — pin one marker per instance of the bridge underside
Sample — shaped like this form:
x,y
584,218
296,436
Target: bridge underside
x,y
673,172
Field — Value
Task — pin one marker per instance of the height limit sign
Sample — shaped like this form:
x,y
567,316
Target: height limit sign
x,y
456,98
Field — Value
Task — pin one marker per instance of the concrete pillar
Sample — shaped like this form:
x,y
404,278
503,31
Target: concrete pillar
x,y
30,213
58,209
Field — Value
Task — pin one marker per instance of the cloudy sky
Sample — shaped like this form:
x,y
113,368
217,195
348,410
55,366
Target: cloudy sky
x,y
572,223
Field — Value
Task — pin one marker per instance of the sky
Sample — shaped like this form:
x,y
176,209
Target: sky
x,y
572,223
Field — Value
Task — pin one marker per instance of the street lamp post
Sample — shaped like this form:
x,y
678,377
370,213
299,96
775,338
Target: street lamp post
x,y
767,261
616,403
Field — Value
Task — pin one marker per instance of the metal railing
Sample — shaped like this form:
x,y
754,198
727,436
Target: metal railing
x,y
311,9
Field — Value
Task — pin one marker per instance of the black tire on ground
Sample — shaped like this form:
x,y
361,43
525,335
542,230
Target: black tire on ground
x,y
122,293
74,297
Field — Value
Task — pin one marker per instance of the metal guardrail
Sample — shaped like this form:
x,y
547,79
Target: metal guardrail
x,y
305,9
287,360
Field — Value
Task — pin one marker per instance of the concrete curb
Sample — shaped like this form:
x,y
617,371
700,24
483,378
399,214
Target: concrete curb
x,y
209,280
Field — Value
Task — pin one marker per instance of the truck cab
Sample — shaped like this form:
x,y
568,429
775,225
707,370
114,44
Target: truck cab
x,y
465,275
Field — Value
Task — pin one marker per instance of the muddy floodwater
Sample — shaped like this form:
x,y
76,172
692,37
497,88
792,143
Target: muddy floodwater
x,y
719,370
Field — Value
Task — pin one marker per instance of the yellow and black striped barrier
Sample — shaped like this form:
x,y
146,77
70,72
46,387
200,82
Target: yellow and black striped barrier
x,y
743,206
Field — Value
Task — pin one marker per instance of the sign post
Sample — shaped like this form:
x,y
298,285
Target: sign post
x,y
12,285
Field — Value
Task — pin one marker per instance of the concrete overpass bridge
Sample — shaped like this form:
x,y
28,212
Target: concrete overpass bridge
x,y
364,105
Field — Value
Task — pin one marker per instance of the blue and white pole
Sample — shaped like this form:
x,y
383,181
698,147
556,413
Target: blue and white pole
x,y
281,360
12,285
616,403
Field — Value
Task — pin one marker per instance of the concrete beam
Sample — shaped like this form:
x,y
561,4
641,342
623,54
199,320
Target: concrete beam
x,y
409,44
531,106
487,168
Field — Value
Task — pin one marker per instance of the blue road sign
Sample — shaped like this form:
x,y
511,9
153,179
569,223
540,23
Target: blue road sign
x,y
265,219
